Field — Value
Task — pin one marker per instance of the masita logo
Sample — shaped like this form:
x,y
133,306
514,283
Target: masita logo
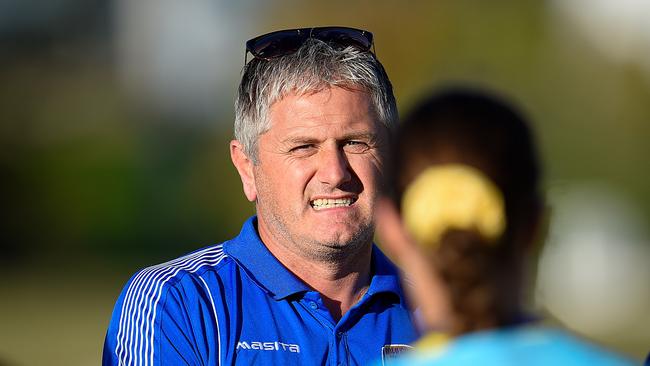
x,y
269,346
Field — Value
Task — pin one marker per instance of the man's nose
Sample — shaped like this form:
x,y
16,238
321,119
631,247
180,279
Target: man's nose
x,y
334,168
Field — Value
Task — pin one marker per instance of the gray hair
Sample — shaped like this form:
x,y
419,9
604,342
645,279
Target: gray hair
x,y
314,67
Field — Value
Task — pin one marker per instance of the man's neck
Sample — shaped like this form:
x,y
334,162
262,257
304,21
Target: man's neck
x,y
341,283
340,289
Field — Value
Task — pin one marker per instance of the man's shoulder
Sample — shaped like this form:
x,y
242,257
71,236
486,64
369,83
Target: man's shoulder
x,y
159,292
149,286
208,270
195,264
214,258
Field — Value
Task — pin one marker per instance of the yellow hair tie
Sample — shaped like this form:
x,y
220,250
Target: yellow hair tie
x,y
433,341
452,196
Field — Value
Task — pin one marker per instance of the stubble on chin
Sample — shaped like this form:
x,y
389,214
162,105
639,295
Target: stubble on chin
x,y
350,248
322,247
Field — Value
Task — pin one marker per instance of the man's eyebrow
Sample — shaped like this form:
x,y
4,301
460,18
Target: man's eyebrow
x,y
298,139
292,140
366,135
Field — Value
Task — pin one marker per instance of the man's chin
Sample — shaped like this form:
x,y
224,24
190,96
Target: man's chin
x,y
351,237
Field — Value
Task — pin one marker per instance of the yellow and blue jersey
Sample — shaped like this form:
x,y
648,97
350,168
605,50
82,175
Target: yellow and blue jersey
x,y
235,303
518,345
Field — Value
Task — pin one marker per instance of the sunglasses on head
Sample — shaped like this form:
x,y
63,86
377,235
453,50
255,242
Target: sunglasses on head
x,y
285,42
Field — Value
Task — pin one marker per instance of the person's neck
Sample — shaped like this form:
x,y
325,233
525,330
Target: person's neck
x,y
341,282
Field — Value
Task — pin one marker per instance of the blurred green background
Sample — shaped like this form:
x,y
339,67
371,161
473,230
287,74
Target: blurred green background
x,y
115,118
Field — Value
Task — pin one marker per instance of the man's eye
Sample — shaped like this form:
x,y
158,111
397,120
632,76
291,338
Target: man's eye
x,y
302,149
355,146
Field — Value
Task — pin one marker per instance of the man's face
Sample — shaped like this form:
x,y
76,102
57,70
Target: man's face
x,y
317,179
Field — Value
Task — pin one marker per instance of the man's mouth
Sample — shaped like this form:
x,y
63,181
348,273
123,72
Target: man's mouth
x,y
324,203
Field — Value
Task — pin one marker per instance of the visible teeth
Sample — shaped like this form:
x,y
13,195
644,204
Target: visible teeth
x,y
323,203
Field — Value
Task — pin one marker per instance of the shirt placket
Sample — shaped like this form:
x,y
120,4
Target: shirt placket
x,y
339,353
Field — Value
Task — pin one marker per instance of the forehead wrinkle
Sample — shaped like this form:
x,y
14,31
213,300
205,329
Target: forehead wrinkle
x,y
304,105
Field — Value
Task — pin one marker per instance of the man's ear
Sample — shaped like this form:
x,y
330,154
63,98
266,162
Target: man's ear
x,y
244,167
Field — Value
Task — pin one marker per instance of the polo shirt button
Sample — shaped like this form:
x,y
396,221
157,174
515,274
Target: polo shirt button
x,y
313,305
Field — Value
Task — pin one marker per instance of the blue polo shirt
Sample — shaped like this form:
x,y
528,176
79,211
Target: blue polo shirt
x,y
235,303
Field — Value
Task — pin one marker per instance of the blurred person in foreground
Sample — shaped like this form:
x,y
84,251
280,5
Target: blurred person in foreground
x,y
466,177
302,283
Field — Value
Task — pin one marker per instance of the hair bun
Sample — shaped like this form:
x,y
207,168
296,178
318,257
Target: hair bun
x,y
452,196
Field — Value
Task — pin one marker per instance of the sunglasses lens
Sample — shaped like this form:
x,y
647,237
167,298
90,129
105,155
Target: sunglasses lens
x,y
344,37
275,44
288,41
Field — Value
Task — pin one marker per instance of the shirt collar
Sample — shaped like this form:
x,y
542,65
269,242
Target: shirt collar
x,y
251,254
271,275
385,278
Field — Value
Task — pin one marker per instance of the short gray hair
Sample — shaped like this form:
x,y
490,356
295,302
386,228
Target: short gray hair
x,y
314,67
